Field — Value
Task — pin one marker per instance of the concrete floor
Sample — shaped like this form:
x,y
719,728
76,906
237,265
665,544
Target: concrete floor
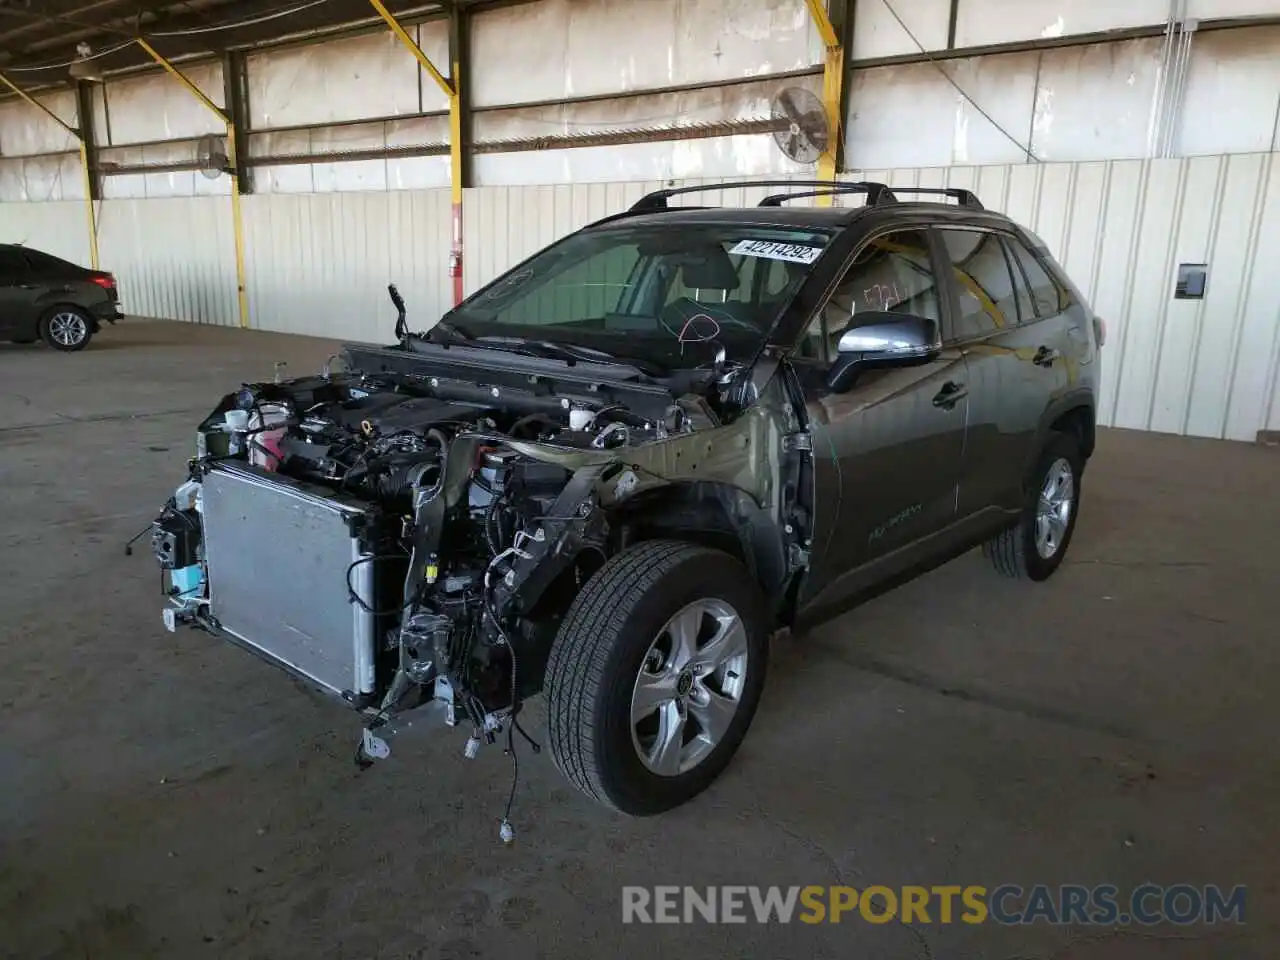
x,y
169,796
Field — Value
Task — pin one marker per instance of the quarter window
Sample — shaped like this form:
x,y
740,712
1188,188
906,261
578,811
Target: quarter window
x,y
984,282
44,263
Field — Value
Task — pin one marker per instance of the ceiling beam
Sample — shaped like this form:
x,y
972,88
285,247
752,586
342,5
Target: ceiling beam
x,y
58,45
118,21
22,21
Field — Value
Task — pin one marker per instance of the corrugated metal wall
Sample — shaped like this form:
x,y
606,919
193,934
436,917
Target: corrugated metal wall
x,y
320,263
59,226
173,257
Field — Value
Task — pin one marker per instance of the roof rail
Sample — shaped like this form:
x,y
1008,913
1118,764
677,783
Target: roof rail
x,y
876,193
967,198
658,199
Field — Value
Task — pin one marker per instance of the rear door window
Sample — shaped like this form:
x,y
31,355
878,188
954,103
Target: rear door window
x,y
12,265
1022,289
1047,297
983,280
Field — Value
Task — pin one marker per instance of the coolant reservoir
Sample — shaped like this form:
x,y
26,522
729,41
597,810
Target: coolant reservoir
x,y
235,423
271,419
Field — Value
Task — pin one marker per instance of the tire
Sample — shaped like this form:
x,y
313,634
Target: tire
x,y
617,627
66,328
1018,552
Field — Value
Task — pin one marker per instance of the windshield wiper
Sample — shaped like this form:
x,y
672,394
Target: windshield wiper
x,y
563,351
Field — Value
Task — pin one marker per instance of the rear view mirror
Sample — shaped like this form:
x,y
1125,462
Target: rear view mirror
x,y
882,340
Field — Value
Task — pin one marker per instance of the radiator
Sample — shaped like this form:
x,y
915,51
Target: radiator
x,y
278,559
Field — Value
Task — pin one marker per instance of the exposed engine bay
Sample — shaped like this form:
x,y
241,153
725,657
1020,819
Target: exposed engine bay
x,y
409,530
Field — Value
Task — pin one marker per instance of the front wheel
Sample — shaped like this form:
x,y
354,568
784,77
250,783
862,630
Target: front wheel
x,y
655,675
66,328
1035,547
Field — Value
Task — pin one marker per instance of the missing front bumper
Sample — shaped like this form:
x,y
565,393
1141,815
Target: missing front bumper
x,y
282,564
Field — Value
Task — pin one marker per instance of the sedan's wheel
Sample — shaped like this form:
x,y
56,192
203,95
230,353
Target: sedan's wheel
x,y
1035,547
66,328
655,675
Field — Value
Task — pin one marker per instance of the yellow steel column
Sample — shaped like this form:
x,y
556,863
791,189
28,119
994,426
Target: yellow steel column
x,y
84,164
88,205
237,227
832,85
450,87
455,183
237,222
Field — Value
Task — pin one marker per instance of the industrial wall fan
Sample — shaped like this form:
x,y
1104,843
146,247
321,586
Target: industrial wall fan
x,y
806,133
211,156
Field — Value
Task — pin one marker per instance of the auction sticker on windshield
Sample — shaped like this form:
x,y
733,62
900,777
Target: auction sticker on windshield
x,y
773,250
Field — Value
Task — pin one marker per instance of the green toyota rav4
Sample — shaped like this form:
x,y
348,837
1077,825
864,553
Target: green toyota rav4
x,y
610,475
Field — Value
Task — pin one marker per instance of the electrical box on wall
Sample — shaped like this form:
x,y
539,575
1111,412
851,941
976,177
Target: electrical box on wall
x,y
1191,281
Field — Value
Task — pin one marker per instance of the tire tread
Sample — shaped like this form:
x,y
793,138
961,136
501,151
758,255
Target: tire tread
x,y
577,664
1009,551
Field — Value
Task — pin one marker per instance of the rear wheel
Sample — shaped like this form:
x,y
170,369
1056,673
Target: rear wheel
x,y
1035,547
655,675
66,328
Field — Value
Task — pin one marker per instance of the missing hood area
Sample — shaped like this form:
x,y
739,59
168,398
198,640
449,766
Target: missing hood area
x,y
409,533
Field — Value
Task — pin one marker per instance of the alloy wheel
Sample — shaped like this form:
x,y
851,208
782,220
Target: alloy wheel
x,y
68,329
689,687
1053,511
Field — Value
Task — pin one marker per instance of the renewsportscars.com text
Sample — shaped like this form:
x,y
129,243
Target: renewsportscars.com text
x,y
1007,904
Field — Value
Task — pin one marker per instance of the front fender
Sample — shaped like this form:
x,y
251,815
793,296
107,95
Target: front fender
x,y
717,515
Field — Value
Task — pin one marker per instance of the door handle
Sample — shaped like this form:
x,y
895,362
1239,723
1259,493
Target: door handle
x,y
950,394
1045,356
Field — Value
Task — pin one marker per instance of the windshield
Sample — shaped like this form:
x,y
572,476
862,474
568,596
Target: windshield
x,y
666,295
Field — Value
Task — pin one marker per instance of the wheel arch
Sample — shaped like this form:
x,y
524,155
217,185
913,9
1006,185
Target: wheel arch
x,y
1073,414
1078,421
716,515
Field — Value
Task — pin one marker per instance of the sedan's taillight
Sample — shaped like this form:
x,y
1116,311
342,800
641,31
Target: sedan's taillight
x,y
104,280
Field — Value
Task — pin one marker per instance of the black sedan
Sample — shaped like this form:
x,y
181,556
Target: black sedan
x,y
44,297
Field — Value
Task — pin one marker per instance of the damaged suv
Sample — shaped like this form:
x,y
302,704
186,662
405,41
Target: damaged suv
x,y
613,473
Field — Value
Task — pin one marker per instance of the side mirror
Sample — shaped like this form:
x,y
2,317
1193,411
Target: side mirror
x,y
883,340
